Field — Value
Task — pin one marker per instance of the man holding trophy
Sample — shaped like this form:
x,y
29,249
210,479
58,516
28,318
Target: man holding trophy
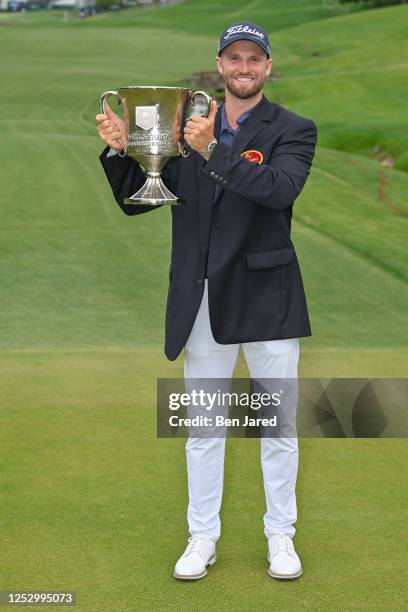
x,y
234,276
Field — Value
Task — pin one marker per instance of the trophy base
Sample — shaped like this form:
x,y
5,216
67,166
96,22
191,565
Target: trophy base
x,y
153,193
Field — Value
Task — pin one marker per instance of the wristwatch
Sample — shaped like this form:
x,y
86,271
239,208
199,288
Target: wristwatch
x,y
210,148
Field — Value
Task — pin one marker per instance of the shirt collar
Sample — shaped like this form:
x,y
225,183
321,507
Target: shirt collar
x,y
225,125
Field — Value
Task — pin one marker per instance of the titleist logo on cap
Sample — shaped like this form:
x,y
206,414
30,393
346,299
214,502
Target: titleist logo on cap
x,y
242,28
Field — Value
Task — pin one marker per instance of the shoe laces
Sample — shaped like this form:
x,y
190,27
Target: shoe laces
x,y
198,544
283,543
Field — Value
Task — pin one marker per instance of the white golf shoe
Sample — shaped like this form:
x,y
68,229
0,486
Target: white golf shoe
x,y
192,564
284,562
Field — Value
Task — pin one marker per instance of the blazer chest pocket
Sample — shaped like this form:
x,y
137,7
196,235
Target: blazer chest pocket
x,y
270,259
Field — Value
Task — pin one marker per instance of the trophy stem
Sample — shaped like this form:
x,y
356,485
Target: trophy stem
x,y
153,193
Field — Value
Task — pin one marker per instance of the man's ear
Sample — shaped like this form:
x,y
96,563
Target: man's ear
x,y
268,67
219,64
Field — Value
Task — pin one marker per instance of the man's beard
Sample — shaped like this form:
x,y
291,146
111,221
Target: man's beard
x,y
244,93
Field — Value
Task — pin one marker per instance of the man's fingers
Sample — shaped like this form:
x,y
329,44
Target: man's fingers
x,y
194,133
111,140
197,119
214,110
104,121
109,129
196,125
114,144
107,115
107,125
112,135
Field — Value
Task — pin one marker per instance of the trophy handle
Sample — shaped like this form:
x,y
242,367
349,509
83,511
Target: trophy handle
x,y
102,101
208,102
185,150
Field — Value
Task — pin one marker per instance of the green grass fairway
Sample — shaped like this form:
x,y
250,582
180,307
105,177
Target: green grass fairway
x,y
91,500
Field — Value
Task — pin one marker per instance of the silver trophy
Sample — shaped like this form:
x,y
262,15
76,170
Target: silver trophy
x,y
154,120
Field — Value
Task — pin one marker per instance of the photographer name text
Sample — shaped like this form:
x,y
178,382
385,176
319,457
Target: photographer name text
x,y
221,421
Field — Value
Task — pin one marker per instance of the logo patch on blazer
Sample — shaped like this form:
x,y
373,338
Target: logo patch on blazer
x,y
253,156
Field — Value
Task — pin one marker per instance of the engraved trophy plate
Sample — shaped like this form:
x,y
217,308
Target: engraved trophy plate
x,y
154,120
147,117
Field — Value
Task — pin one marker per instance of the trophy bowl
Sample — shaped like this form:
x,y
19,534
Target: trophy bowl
x,y
154,122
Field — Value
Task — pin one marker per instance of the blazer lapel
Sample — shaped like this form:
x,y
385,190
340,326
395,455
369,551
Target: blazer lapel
x,y
206,192
262,114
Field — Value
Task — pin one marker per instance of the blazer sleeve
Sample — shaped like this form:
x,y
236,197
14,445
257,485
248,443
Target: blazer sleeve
x,y
125,177
275,184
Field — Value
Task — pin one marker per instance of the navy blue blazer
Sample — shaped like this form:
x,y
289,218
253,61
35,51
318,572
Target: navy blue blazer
x,y
255,288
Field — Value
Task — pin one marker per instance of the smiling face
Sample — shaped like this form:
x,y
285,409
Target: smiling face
x,y
244,67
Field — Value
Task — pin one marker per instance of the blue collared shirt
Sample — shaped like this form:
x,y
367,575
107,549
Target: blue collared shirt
x,y
228,133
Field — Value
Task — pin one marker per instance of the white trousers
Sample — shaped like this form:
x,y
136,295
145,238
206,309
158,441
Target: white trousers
x,y
205,358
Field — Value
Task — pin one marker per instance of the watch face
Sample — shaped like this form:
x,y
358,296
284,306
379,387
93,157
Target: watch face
x,y
212,146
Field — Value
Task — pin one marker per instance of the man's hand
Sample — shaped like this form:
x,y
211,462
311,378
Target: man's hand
x,y
199,132
111,127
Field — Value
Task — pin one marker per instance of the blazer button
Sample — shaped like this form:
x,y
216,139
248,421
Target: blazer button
x,y
200,281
